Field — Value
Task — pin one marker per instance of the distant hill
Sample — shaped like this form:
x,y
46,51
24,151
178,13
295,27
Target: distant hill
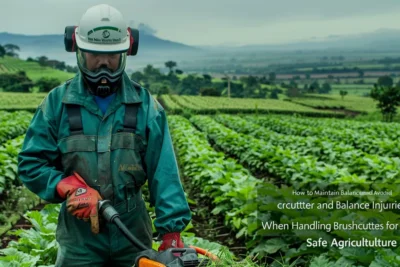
x,y
380,40
156,51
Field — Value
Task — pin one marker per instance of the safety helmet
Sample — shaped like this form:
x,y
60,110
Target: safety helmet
x,y
102,30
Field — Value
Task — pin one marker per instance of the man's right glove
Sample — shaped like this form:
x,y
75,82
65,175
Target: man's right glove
x,y
171,240
81,199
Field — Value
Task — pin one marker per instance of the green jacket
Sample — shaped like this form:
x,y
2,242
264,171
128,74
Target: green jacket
x,y
106,158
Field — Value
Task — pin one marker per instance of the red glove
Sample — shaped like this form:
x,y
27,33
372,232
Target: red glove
x,y
81,199
171,240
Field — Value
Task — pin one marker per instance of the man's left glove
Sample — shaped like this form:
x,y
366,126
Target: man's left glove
x,y
82,200
171,240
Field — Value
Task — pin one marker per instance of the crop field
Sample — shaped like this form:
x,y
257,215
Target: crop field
x,y
235,170
33,70
20,101
349,102
209,104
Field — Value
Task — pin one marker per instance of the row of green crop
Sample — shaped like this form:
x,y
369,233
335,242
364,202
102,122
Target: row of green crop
x,y
350,102
378,129
212,105
8,163
223,180
233,191
169,104
367,143
14,124
284,164
371,167
37,246
291,243
20,101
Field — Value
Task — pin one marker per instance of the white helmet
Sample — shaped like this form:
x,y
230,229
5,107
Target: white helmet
x,y
102,29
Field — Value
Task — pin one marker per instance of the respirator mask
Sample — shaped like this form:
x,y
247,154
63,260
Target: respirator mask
x,y
102,81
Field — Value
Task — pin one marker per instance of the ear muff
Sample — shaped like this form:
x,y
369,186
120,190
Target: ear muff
x,y
134,40
70,43
69,39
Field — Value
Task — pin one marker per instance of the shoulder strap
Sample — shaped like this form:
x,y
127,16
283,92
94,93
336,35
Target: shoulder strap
x,y
74,119
130,117
131,111
74,116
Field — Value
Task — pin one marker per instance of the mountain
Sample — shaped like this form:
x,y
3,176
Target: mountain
x,y
156,51
151,48
379,40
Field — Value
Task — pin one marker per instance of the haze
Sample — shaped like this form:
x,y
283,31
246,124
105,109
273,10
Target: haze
x,y
217,22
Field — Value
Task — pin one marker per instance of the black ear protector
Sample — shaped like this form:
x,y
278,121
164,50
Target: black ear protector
x,y
70,42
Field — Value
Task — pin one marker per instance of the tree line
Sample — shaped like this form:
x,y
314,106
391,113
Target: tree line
x,y
192,84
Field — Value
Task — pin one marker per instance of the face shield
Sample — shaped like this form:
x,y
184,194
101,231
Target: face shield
x,y
102,71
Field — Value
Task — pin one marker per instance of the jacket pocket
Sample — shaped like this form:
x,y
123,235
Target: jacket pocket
x,y
79,155
127,150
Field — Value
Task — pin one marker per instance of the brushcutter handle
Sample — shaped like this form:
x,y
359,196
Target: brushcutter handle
x,y
206,253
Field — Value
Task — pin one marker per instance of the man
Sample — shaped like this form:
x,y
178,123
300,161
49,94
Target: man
x,y
101,136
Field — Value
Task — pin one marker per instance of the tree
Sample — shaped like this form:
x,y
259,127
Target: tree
x,y
158,87
10,50
252,87
151,73
46,84
360,73
191,85
163,91
209,92
178,71
293,92
343,93
385,81
293,84
70,69
308,76
274,94
42,61
2,51
207,77
325,89
314,87
15,82
60,65
170,64
272,77
388,98
137,76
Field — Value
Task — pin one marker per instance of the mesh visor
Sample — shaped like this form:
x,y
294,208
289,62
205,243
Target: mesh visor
x,y
112,75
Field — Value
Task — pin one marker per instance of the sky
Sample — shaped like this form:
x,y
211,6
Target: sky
x,y
214,22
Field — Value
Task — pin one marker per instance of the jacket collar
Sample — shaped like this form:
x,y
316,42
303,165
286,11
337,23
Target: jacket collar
x,y
76,93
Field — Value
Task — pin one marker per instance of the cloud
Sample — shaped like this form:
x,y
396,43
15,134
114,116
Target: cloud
x,y
147,29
